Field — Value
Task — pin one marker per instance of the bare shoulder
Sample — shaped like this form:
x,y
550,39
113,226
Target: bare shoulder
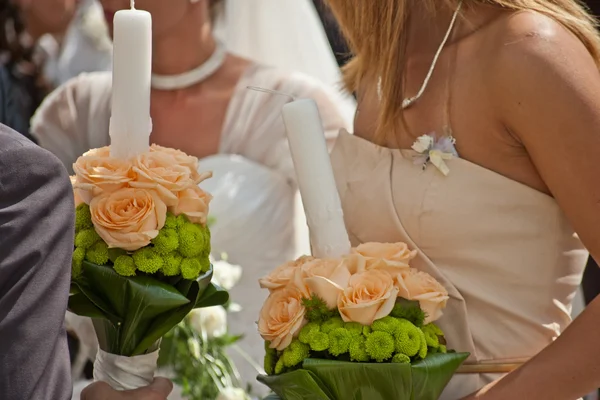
x,y
529,44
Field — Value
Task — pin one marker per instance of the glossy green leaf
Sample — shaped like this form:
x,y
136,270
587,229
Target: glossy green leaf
x,y
131,314
297,385
424,380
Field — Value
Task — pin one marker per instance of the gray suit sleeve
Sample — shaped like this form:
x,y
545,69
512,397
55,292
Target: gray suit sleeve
x,y
36,243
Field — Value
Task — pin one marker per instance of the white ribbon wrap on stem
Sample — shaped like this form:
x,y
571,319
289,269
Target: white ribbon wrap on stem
x,y
125,373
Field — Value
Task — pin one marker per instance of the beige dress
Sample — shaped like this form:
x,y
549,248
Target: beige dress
x,y
506,252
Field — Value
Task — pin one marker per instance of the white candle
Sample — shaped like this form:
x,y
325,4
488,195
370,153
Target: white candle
x,y
316,181
130,123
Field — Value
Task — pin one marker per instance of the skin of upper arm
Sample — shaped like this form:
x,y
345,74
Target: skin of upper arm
x,y
546,88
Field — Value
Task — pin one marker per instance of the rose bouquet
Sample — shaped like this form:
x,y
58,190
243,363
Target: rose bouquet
x,y
358,327
141,255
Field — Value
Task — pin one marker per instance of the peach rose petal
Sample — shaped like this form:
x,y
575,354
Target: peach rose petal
x,y
128,218
194,203
184,160
77,198
282,275
370,295
329,284
420,286
282,317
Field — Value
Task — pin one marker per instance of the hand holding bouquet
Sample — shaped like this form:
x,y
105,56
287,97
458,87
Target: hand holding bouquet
x,y
141,258
361,326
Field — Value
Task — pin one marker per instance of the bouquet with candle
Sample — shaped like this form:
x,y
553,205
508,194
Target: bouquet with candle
x,y
141,255
355,327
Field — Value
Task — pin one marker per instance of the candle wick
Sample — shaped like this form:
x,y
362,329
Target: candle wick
x,y
133,4
271,91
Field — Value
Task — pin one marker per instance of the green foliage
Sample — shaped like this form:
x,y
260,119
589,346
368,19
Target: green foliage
x,y
295,353
147,260
380,346
166,242
201,365
124,266
83,217
409,310
86,238
317,310
97,253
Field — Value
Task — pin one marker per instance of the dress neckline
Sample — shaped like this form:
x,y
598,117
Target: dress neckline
x,y
408,154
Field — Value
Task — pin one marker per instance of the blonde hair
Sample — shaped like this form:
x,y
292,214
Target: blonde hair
x,y
375,30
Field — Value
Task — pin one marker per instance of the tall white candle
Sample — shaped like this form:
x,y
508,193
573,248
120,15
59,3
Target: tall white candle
x,y
130,123
316,181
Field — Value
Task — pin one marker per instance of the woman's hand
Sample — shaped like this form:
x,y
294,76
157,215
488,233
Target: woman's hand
x,y
158,390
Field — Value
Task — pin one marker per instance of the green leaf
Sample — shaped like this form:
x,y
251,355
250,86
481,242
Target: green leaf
x,y
297,385
81,305
431,375
212,296
339,380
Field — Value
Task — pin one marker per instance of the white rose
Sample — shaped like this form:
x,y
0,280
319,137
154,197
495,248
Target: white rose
x,y
232,394
211,321
226,275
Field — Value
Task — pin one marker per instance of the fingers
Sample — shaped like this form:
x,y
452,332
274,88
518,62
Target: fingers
x,y
97,391
161,386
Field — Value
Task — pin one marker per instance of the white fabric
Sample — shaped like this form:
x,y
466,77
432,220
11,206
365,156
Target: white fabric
x,y
125,373
287,34
255,224
86,46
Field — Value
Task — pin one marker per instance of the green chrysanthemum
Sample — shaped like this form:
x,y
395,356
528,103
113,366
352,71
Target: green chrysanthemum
x,y
83,217
171,221
307,332
86,238
431,336
190,268
386,324
401,359
380,346
339,341
279,366
331,324
171,264
319,341
357,349
354,328
193,240
423,350
181,220
166,242
77,262
124,266
407,338
442,349
270,361
204,264
295,354
147,260
97,254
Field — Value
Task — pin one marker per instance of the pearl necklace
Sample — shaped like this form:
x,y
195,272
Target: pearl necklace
x,y
196,75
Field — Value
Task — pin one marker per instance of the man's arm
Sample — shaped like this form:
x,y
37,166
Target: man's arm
x,y
36,243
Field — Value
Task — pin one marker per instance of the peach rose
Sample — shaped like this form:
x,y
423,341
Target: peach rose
x,y
282,275
325,278
422,287
128,218
370,295
282,316
99,173
192,202
395,255
180,157
160,171
78,199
